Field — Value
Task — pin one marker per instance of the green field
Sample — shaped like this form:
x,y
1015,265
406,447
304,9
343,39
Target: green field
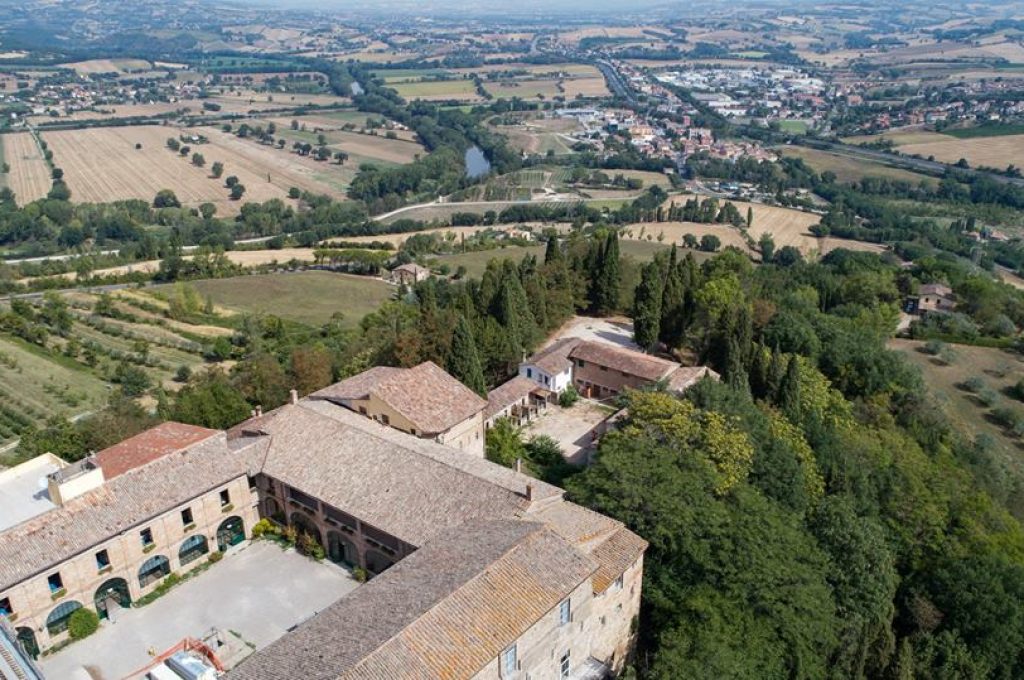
x,y
306,297
999,370
849,169
992,130
34,386
409,75
797,127
476,262
437,89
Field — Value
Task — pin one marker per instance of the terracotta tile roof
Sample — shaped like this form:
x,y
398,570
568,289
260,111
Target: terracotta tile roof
x,y
626,360
685,377
147,446
492,579
431,399
126,501
511,392
358,386
408,487
614,556
554,358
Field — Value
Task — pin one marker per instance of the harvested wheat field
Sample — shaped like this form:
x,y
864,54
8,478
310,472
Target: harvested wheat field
x,y
994,152
375,146
790,227
271,171
29,177
673,232
94,66
102,165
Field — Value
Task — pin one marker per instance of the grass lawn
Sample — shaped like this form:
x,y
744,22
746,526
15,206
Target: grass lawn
x,y
999,370
849,169
993,130
439,89
37,385
307,297
797,127
476,262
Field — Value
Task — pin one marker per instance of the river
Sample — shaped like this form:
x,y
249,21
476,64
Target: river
x,y
476,162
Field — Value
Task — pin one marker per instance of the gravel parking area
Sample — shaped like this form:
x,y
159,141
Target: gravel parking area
x,y
611,331
258,592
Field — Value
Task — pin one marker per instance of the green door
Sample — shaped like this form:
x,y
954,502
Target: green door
x,y
231,532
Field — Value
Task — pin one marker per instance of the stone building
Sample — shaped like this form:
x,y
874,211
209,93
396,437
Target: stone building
x,y
484,572
478,571
424,401
117,524
599,370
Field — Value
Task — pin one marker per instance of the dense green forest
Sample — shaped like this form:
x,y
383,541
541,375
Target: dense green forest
x,y
813,515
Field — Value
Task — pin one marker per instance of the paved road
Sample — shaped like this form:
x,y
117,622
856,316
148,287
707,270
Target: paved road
x,y
259,592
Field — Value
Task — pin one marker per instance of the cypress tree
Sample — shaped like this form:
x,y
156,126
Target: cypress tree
x,y
553,251
735,373
789,393
609,277
759,372
673,303
776,373
464,360
647,307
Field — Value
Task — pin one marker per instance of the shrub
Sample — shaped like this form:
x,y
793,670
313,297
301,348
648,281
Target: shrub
x,y
264,528
216,557
568,397
290,534
360,574
83,623
1007,417
934,347
988,397
974,384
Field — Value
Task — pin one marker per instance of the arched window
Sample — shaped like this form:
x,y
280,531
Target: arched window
x,y
57,621
154,569
192,548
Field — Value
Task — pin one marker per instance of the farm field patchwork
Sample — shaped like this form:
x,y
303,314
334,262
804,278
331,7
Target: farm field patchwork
x,y
29,177
307,297
848,169
94,66
993,152
104,164
461,88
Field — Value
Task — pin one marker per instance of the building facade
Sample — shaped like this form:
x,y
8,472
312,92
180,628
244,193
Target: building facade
x,y
65,559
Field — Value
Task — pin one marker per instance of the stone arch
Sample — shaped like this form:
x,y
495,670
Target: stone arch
x,y
303,524
112,591
57,621
154,569
28,642
377,562
341,550
273,510
192,548
230,532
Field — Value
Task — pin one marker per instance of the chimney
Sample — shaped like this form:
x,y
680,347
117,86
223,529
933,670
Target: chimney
x,y
259,410
529,492
519,464
295,397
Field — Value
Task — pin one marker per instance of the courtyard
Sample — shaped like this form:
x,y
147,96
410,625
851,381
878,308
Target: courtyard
x,y
256,593
576,429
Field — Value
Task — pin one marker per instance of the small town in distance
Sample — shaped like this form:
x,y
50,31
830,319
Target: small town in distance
x,y
557,341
